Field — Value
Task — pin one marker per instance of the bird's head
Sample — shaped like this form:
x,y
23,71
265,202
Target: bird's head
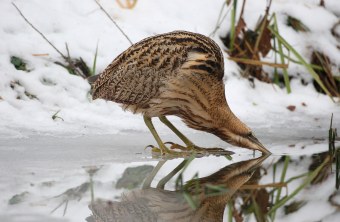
x,y
237,133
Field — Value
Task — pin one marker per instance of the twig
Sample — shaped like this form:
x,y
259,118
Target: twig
x,y
117,26
219,19
67,58
40,54
72,64
41,34
258,63
257,186
242,10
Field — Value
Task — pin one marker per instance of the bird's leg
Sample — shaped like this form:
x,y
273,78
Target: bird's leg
x,y
185,140
152,129
190,145
148,180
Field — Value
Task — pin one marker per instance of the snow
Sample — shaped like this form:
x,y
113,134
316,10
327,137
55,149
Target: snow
x,y
76,24
35,148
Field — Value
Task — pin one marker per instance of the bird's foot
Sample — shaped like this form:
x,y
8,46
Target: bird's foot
x,y
199,150
153,148
164,151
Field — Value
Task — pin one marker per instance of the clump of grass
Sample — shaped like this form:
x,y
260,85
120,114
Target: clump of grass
x,y
317,159
19,63
334,152
294,206
305,183
247,48
296,24
55,116
323,67
74,66
14,84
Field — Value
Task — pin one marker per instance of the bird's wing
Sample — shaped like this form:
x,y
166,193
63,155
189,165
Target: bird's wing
x,y
137,74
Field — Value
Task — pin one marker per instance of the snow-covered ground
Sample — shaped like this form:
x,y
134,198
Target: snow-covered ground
x,y
81,24
34,148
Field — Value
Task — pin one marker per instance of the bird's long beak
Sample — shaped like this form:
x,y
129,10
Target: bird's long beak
x,y
257,145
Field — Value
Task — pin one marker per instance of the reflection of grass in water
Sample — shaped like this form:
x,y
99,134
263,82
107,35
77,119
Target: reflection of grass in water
x,y
264,204
253,200
261,201
334,152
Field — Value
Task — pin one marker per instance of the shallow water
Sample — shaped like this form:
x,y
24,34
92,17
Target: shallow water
x,y
47,178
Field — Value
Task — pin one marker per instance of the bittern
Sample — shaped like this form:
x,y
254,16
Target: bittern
x,y
155,204
178,73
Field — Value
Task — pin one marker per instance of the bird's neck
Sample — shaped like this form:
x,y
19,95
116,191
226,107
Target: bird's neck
x,y
225,124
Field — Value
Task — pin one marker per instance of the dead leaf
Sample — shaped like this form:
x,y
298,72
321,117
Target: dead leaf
x,y
265,42
326,74
240,26
262,198
296,24
129,4
291,108
237,215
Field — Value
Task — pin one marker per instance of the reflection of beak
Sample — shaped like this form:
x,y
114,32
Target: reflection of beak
x,y
257,144
255,163
232,176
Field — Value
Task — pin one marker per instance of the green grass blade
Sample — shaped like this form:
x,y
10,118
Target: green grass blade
x,y
230,212
168,177
298,189
179,181
192,203
93,71
285,73
303,62
282,179
337,168
315,67
233,25
276,75
258,214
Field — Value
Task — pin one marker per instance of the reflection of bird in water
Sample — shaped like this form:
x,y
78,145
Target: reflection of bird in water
x,y
178,73
155,204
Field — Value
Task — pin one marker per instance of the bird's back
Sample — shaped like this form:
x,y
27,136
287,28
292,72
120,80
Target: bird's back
x,y
137,75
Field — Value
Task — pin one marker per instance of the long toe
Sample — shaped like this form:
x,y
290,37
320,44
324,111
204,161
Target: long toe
x,y
154,149
175,146
213,151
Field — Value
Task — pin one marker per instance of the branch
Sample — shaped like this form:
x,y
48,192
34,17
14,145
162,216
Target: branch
x,y
117,26
258,62
67,58
42,35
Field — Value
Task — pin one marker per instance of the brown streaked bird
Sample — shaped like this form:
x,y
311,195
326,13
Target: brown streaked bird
x,y
157,204
178,73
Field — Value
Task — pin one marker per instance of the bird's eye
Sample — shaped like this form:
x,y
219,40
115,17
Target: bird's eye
x,y
250,134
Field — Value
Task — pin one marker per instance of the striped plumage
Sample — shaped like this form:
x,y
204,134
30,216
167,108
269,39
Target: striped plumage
x,y
178,73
